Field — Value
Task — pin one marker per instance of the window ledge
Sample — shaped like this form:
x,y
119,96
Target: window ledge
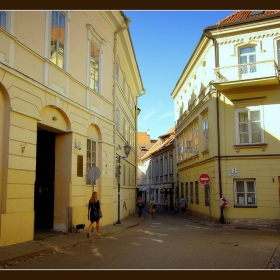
x,y
205,152
263,146
245,206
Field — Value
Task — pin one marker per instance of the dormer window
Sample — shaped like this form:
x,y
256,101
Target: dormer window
x,y
257,13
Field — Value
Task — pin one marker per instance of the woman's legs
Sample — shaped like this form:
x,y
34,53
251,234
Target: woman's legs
x,y
89,228
97,227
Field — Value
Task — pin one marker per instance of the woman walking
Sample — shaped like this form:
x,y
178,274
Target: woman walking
x,y
94,213
152,207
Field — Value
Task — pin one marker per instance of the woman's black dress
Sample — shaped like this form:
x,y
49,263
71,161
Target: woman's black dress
x,y
91,207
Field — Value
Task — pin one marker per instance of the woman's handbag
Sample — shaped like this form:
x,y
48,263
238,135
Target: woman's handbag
x,y
154,206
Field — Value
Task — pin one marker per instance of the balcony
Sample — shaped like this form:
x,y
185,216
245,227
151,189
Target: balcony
x,y
244,75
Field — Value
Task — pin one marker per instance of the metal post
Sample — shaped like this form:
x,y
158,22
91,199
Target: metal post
x,y
119,190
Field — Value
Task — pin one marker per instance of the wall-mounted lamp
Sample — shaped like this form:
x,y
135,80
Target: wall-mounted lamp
x,y
78,145
273,180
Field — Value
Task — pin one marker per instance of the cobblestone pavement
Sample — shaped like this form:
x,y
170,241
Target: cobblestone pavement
x,y
51,242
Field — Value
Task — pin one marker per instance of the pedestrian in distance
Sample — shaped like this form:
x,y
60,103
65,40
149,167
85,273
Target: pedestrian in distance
x,y
153,207
166,205
183,205
94,213
140,205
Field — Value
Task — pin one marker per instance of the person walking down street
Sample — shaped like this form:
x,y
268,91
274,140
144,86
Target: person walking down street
x,y
94,213
166,205
184,205
140,205
153,207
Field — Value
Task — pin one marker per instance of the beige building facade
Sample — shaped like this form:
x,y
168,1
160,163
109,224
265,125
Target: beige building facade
x,y
227,110
69,83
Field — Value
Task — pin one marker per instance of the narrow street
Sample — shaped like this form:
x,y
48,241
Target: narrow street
x,y
167,242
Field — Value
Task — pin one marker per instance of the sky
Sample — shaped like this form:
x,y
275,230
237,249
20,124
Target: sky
x,y
163,42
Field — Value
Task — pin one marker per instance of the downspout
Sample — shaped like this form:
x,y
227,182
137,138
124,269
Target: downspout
x,y
127,22
217,64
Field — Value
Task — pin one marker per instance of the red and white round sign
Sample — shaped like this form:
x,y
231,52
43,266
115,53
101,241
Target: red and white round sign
x,y
204,179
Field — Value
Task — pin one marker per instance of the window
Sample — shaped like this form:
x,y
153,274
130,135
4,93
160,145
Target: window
x,y
205,134
57,38
124,82
118,71
118,118
196,193
94,68
249,126
171,164
165,165
128,97
207,195
195,140
187,192
191,189
247,57
3,20
91,157
124,128
245,192
182,189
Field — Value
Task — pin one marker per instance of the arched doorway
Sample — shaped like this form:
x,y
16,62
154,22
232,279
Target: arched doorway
x,y
53,170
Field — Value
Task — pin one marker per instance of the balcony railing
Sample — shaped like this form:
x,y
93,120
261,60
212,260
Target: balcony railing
x,y
246,71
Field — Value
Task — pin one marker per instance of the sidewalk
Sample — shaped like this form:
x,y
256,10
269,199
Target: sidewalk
x,y
50,242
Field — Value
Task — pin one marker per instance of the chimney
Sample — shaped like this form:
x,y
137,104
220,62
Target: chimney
x,y
148,132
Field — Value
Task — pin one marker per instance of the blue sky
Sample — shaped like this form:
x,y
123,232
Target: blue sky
x,y
163,43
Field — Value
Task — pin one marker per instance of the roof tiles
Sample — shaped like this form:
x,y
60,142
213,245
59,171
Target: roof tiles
x,y
245,15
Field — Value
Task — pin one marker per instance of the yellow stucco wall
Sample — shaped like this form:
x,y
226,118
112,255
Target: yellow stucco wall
x,y
37,95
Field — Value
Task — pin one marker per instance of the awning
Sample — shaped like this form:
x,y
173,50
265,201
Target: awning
x,y
166,186
144,188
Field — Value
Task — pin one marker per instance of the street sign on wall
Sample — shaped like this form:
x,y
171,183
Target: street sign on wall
x,y
204,179
224,202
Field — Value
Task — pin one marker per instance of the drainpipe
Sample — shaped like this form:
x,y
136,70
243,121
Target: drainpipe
x,y
217,64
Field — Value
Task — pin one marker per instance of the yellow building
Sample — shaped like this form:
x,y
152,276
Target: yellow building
x,y
69,83
227,103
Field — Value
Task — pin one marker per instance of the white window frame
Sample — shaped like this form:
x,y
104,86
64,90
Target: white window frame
x,y
124,128
196,140
64,57
94,75
98,42
205,129
238,201
93,159
248,67
249,110
118,118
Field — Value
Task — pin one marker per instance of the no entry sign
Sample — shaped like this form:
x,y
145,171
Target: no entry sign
x,y
204,179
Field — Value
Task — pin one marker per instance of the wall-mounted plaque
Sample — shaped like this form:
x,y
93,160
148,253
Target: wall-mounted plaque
x,y
79,166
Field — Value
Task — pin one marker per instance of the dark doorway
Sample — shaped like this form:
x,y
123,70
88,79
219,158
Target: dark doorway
x,y
44,184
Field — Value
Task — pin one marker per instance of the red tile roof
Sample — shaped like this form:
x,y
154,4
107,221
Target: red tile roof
x,y
165,141
245,15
